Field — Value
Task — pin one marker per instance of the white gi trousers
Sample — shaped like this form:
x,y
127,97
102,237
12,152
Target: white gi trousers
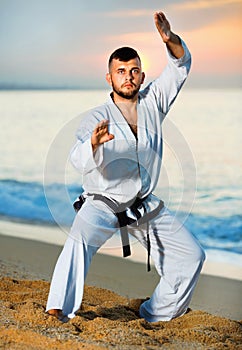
x,y
175,252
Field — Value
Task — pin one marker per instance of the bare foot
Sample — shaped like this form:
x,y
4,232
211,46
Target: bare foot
x,y
58,314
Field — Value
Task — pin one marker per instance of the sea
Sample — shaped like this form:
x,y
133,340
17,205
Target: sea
x,y
200,181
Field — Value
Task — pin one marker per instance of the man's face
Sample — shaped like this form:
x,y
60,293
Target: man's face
x,y
125,77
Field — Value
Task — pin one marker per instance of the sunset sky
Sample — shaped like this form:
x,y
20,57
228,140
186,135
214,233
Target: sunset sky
x,y
66,43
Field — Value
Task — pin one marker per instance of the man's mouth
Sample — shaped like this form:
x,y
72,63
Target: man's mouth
x,y
129,85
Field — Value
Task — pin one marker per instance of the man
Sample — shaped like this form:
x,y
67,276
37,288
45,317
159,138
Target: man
x,y
118,151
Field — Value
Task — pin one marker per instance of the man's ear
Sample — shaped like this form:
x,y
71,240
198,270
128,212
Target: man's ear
x,y
143,77
108,79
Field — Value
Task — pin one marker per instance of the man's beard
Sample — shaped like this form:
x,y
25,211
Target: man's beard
x,y
129,95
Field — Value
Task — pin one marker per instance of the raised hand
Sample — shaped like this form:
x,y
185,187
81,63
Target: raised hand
x,y
172,40
101,134
163,26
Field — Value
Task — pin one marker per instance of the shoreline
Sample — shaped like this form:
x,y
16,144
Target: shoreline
x,y
29,259
55,235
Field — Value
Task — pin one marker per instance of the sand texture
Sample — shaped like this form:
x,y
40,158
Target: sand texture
x,y
105,321
108,318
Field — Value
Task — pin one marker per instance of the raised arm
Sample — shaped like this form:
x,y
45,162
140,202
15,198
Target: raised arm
x,y
172,40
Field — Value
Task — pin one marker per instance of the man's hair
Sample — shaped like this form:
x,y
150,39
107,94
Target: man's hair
x,y
124,54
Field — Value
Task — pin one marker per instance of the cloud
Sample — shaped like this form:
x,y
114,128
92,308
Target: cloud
x,y
217,49
130,13
58,39
192,15
204,4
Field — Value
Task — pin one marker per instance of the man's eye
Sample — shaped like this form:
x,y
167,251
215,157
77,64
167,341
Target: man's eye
x,y
121,72
135,71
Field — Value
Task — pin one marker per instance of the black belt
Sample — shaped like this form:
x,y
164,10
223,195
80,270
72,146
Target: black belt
x,y
120,211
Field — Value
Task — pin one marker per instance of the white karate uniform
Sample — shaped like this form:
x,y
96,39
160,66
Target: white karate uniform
x,y
123,169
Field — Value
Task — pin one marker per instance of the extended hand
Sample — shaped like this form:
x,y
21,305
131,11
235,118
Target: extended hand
x,y
100,134
163,26
172,40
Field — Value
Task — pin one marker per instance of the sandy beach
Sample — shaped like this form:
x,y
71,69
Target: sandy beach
x,y
108,318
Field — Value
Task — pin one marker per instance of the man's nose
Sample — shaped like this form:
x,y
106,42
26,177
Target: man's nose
x,y
129,75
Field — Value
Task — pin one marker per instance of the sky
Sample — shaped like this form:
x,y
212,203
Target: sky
x,y
66,43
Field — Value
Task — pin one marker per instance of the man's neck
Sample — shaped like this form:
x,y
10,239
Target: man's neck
x,y
125,103
128,108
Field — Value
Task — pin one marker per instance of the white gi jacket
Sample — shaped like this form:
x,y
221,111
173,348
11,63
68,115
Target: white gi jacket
x,y
124,167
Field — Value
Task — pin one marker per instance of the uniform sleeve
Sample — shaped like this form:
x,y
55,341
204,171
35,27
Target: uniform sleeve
x,y
166,87
82,156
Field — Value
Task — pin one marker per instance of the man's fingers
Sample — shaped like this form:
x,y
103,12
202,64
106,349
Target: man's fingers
x,y
102,125
110,137
101,134
106,138
160,15
162,25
